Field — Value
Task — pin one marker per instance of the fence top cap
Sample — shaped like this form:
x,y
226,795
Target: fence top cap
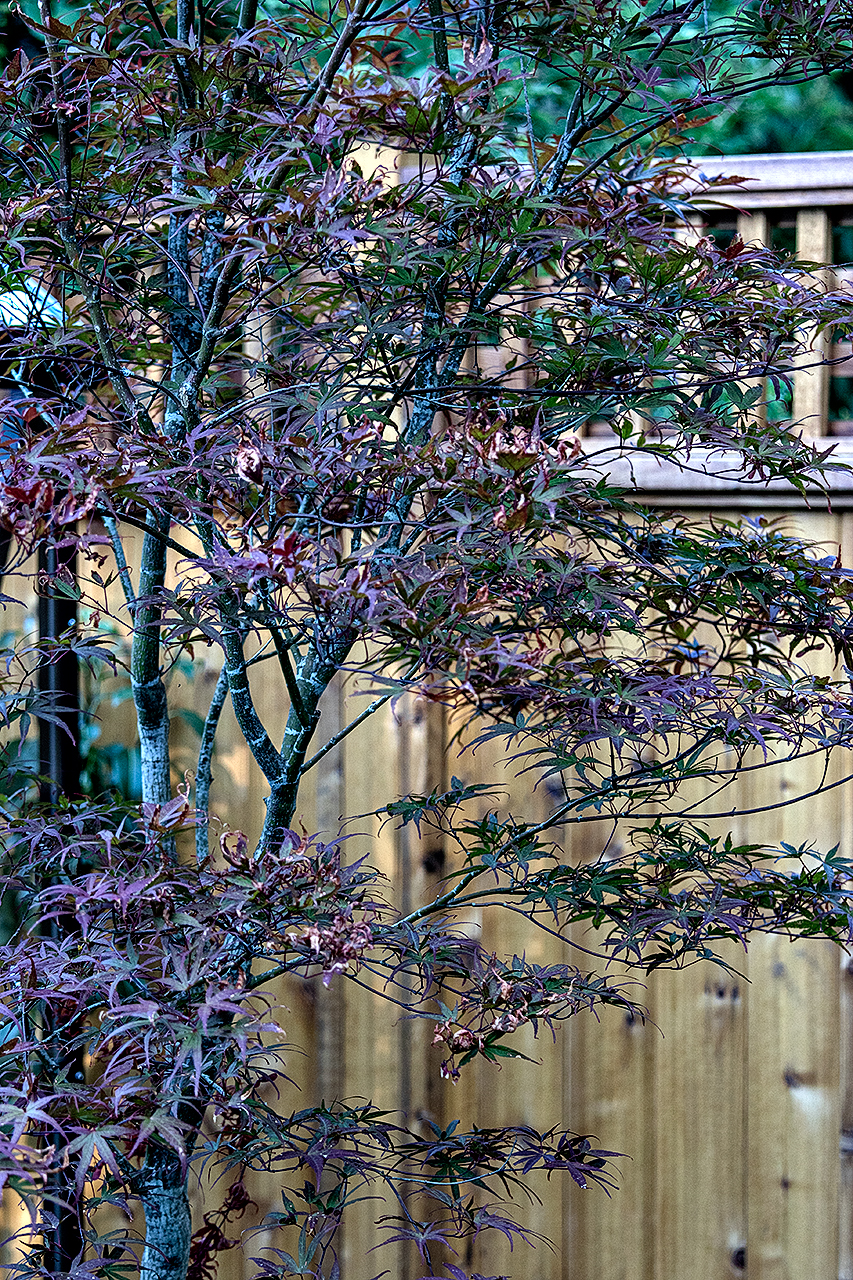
x,y
801,179
779,180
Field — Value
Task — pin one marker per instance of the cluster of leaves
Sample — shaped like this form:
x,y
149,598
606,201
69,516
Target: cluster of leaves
x,y
157,972
151,970
320,335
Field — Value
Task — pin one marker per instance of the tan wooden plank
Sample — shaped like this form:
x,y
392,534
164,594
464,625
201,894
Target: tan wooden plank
x,y
420,864
698,1099
609,1096
811,379
845,1208
754,229
371,1026
845,1205
699,1060
516,1092
648,1089
672,1095
608,1091
328,1067
793,1182
794,1097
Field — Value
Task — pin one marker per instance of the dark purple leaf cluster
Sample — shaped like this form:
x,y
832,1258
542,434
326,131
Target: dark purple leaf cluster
x,y
315,354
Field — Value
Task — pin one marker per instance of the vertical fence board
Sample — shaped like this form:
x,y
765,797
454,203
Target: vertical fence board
x,y
371,1026
845,1207
699,1127
608,1095
845,803
844,809
327,1069
754,229
420,859
794,1111
811,379
698,1098
515,1092
793,1055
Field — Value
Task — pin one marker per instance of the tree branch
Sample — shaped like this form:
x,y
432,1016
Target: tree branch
x,y
204,772
345,732
316,94
257,739
149,693
121,562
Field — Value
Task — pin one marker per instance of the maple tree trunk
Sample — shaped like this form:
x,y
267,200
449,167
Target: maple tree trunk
x,y
149,692
168,1221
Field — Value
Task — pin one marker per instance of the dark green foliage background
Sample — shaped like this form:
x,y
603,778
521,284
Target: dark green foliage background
x,y
817,116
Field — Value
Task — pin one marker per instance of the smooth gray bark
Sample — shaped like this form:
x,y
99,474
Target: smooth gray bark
x,y
204,771
168,1222
149,692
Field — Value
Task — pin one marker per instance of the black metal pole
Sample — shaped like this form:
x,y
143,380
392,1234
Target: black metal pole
x,y
59,753
59,772
59,750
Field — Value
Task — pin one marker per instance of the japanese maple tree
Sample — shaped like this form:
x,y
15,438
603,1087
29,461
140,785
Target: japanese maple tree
x,y
256,266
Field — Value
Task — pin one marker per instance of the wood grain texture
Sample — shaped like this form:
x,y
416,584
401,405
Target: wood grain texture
x,y
793,1045
420,864
515,1092
845,1205
371,1040
698,1099
845,1200
811,379
609,1096
699,1091
754,230
608,1086
793,1111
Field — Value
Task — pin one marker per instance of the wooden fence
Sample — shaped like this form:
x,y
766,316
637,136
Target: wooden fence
x,y
734,1103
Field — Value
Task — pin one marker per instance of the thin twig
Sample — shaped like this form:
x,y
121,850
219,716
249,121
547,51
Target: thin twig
x,y
338,737
282,649
204,772
530,137
121,562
